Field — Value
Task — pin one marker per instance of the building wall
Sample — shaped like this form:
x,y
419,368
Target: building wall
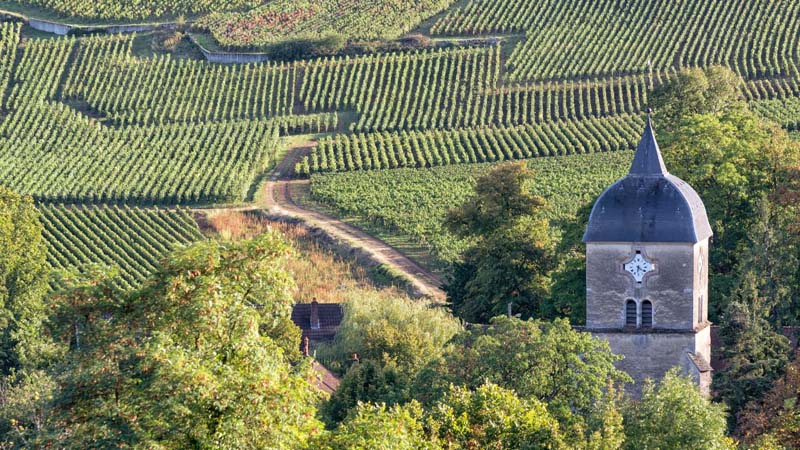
x,y
673,287
651,355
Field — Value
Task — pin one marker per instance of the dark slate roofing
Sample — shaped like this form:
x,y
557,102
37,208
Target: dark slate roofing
x,y
330,316
700,362
649,204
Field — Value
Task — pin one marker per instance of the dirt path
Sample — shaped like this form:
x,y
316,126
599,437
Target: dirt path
x,y
278,200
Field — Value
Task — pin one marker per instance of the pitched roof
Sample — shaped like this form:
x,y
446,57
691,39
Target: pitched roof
x,y
649,204
330,317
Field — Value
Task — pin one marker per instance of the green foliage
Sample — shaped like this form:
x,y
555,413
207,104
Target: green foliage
x,y
415,202
376,426
675,415
568,294
366,382
441,148
128,90
121,10
771,422
755,353
198,359
431,88
511,257
733,160
132,240
77,158
390,330
491,417
548,361
23,284
576,38
695,91
287,20
25,407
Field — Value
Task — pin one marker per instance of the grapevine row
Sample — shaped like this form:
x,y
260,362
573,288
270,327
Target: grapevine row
x,y
132,90
437,148
56,154
126,9
413,202
785,112
576,38
132,240
417,90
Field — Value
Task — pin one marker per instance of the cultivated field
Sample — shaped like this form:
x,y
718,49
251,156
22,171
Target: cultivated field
x,y
398,135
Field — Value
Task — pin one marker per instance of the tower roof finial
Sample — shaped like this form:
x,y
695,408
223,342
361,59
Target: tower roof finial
x,y
648,160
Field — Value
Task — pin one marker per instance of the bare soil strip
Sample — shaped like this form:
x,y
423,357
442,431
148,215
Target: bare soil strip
x,y
278,201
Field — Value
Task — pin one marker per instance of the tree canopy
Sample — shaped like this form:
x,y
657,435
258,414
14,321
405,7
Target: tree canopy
x,y
549,361
673,414
199,358
23,284
512,255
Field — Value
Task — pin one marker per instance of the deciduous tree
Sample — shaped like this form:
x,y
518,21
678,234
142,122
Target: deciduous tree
x,y
512,255
673,414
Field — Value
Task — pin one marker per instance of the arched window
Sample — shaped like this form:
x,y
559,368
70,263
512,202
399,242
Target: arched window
x,y
647,314
630,313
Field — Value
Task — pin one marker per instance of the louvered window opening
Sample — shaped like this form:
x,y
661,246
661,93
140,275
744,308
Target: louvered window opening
x,y
630,313
647,314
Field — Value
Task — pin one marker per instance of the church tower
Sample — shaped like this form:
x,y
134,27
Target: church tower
x,y
646,271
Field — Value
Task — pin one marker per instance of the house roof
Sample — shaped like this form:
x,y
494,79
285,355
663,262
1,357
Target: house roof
x,y
330,317
649,204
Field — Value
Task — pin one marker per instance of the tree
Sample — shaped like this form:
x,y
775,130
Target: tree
x,y
775,418
734,160
675,415
376,426
390,330
755,354
566,369
568,294
366,382
695,91
25,406
23,285
512,257
491,417
200,358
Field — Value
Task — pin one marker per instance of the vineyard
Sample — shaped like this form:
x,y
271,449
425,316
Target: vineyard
x,y
130,10
785,112
58,154
91,122
569,39
404,91
130,90
282,20
131,240
413,202
439,148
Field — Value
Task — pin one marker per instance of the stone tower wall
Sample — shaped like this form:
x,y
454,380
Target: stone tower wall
x,y
673,287
651,355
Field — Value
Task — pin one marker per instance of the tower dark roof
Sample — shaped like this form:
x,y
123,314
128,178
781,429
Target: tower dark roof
x,y
649,204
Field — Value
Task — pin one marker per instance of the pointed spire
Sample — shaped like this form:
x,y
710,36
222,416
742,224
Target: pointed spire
x,y
648,161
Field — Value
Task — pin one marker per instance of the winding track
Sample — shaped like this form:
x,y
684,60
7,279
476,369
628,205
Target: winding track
x,y
279,201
